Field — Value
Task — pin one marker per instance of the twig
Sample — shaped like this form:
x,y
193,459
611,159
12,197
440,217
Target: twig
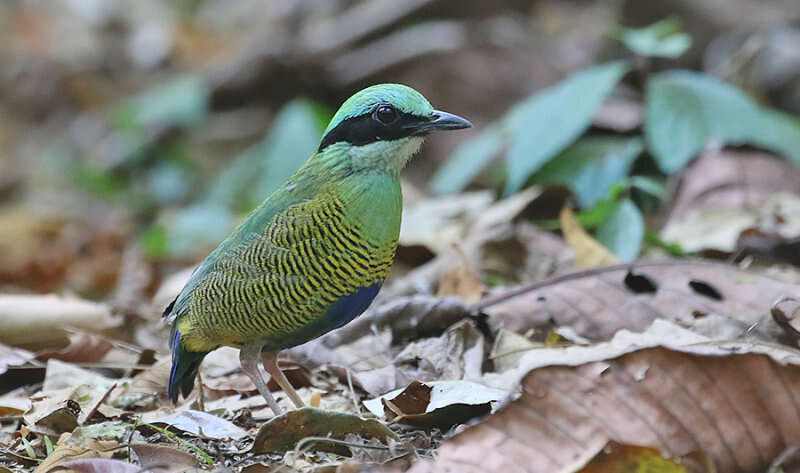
x,y
353,391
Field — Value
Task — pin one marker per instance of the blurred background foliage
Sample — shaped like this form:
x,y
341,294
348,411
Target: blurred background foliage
x,y
160,124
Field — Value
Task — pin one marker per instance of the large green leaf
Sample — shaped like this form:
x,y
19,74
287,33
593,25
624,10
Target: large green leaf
x,y
591,166
261,168
623,231
181,102
685,110
546,123
468,161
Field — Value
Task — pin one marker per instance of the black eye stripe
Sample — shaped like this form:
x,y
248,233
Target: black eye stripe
x,y
366,129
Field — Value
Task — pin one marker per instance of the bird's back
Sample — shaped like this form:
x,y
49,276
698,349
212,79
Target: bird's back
x,y
310,259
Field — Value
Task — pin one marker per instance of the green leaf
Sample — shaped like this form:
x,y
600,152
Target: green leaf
x,y
623,230
649,185
293,138
260,169
661,39
591,166
468,160
685,110
182,102
546,123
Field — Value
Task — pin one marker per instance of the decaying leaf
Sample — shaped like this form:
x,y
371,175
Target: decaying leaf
x,y
10,356
508,349
666,388
407,317
436,403
82,346
456,354
282,433
38,321
162,459
711,298
94,465
588,252
618,458
197,423
461,280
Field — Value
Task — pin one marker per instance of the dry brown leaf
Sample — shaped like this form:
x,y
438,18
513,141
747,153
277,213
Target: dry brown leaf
x,y
711,298
83,347
282,433
588,252
438,223
456,354
731,200
67,456
197,423
39,321
10,356
461,279
90,465
678,402
731,180
163,459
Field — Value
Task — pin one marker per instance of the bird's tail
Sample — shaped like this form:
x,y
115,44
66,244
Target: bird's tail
x,y
185,364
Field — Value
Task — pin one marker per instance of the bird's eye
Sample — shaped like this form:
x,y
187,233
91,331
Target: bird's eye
x,y
386,114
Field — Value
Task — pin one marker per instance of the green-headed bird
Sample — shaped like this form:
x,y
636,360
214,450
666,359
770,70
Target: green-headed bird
x,y
314,254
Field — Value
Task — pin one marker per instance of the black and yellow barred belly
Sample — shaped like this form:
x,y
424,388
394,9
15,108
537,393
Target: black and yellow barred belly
x,y
311,269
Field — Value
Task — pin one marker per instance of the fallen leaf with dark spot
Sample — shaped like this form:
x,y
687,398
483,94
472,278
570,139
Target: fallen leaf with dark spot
x,y
598,302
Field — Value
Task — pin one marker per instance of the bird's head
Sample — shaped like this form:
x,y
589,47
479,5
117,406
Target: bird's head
x,y
383,125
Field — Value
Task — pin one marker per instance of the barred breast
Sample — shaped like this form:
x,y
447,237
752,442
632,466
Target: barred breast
x,y
280,282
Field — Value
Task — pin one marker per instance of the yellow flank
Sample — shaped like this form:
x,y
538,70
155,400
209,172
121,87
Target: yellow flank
x,y
276,282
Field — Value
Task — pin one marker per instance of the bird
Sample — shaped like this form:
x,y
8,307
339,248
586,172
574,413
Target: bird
x,y
313,255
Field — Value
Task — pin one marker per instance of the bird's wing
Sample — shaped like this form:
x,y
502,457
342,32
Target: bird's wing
x,y
277,279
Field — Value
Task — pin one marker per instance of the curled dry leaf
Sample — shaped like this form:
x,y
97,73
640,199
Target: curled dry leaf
x,y
786,313
407,317
589,253
282,433
456,354
35,321
436,403
665,389
438,223
710,298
